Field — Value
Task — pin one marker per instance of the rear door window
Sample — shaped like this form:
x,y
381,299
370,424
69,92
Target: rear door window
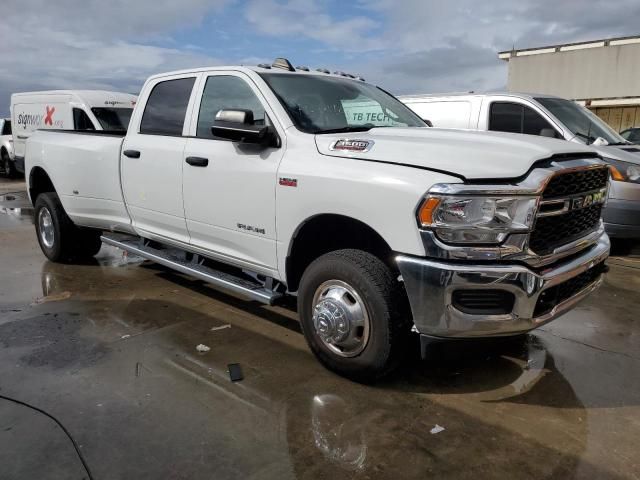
x,y
6,128
166,107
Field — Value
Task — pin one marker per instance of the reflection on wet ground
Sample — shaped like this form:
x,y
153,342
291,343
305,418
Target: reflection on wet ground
x,y
109,348
14,201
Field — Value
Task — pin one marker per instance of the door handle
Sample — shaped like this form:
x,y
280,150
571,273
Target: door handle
x,y
197,161
131,153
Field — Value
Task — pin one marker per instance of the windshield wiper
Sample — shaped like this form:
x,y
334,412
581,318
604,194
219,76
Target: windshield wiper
x,y
621,143
360,128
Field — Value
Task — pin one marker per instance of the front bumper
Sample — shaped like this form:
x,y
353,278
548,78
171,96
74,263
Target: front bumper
x,y
430,285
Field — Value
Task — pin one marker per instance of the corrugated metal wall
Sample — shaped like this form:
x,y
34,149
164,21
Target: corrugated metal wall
x,y
603,72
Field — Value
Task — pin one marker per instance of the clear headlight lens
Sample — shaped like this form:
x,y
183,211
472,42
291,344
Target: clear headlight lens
x,y
474,219
623,171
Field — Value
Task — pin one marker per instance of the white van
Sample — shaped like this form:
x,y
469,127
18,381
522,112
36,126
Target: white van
x,y
553,117
67,110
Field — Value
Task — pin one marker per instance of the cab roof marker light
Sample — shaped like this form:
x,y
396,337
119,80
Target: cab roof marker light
x,y
361,79
342,74
323,70
304,69
264,65
283,63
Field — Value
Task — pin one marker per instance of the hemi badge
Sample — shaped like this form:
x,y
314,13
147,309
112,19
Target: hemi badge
x,y
288,182
348,145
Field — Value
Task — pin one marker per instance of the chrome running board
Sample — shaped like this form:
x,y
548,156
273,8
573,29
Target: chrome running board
x,y
176,260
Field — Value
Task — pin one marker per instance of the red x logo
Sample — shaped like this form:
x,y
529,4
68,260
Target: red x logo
x,y
48,120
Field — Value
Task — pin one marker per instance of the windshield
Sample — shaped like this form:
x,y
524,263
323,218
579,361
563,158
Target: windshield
x,y
583,123
319,104
113,118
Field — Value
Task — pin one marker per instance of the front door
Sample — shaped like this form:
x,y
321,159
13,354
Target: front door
x,y
152,158
230,203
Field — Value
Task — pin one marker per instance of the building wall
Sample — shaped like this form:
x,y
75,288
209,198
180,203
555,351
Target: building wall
x,y
619,118
603,72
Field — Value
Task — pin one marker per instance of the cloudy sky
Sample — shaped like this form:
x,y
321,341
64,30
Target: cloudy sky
x,y
405,46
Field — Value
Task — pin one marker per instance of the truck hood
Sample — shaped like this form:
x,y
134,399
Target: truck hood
x,y
463,153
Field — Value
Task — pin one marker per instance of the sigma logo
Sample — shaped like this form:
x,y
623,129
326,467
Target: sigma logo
x,y
114,102
348,145
588,200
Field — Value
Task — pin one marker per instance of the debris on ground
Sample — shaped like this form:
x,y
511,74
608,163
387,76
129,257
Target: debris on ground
x,y
221,327
53,298
436,429
235,372
202,348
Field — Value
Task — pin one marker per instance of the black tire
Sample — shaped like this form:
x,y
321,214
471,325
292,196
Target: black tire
x,y
68,242
8,167
385,303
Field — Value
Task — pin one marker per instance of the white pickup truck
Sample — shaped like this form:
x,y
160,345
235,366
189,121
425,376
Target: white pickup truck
x,y
255,180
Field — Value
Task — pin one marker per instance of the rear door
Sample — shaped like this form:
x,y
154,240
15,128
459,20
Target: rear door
x,y
230,203
152,158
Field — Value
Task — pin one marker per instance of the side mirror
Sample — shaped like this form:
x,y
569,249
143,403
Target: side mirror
x,y
428,122
548,132
238,126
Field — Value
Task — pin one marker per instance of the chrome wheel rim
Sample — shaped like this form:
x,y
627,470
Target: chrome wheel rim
x,y
45,225
340,318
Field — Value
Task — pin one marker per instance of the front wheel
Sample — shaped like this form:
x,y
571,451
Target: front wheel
x,y
353,314
60,240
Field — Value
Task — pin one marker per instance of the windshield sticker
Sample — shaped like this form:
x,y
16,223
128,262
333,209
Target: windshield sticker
x,y
348,145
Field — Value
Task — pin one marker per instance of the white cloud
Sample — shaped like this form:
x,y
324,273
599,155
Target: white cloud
x,y
305,18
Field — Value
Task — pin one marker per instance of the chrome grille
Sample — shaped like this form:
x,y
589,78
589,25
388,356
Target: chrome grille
x,y
553,231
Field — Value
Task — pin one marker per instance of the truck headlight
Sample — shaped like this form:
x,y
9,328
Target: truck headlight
x,y
476,219
623,171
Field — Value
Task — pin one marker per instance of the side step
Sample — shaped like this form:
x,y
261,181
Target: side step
x,y
170,258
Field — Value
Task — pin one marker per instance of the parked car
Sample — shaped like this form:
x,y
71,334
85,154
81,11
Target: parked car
x,y
90,110
6,148
631,134
552,117
256,180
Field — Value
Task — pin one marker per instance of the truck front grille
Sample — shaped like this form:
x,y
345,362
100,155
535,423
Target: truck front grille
x,y
551,232
565,290
573,183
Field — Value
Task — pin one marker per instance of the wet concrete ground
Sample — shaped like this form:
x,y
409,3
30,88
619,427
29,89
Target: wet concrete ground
x,y
109,349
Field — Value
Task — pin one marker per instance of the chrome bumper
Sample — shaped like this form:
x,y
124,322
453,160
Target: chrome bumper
x,y
430,285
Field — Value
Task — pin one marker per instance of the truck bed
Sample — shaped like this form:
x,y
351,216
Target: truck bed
x,y
85,168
